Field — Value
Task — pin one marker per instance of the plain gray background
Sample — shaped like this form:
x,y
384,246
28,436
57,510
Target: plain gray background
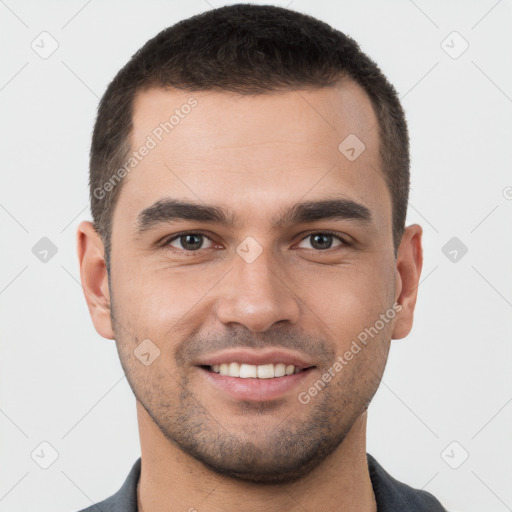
x,y
442,417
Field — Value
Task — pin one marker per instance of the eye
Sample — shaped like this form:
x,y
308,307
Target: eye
x,y
189,241
323,240
194,242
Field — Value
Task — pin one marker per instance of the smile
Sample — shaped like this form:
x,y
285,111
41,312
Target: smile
x,y
251,371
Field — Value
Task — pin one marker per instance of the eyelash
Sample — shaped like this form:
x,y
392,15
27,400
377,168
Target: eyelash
x,y
166,242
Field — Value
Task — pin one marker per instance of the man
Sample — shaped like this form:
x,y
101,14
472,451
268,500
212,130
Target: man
x,y
249,184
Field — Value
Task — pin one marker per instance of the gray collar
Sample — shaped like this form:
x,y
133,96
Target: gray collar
x,y
390,494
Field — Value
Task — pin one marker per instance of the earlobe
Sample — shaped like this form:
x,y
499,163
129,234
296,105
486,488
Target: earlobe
x,y
94,278
408,270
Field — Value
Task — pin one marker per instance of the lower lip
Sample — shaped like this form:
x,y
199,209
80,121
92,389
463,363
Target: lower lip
x,y
256,390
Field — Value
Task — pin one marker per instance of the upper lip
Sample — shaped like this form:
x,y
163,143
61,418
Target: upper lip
x,y
244,356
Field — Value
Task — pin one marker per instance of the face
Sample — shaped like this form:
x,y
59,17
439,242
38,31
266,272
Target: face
x,y
245,235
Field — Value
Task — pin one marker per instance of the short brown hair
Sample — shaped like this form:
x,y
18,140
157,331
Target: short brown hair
x,y
246,49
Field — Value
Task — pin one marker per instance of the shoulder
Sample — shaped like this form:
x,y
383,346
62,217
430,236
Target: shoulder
x,y
392,495
125,499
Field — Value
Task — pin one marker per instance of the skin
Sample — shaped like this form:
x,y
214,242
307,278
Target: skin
x,y
254,156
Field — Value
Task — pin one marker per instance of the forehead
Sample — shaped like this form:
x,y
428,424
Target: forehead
x,y
254,153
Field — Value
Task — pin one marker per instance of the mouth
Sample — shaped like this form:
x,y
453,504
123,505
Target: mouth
x,y
253,371
255,378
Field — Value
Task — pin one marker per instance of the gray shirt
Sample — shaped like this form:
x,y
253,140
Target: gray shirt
x,y
390,494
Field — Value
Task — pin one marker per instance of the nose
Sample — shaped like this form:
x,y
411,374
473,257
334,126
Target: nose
x,y
257,294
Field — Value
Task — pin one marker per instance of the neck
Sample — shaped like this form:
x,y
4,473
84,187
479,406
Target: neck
x,y
173,481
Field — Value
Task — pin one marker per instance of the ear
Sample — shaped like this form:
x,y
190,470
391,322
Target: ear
x,y
409,263
94,277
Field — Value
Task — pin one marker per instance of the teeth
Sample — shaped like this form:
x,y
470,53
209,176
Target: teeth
x,y
279,370
234,370
265,371
247,371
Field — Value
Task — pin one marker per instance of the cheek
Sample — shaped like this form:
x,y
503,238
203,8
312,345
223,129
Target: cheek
x,y
160,302
350,303
350,298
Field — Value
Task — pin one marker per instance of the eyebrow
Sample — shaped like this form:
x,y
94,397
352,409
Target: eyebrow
x,y
168,210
